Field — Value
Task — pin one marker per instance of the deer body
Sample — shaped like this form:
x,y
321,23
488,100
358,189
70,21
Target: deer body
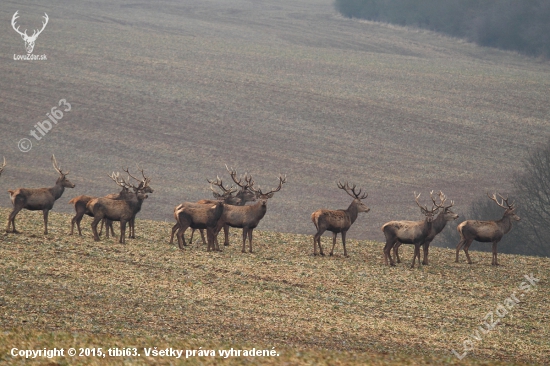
x,y
408,232
198,216
486,231
37,199
438,225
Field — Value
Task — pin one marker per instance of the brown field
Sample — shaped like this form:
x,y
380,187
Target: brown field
x,y
61,291
268,87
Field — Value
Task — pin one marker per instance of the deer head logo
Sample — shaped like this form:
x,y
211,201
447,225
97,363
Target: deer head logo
x,y
29,41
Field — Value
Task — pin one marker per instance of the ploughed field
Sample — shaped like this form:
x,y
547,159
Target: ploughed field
x,y
69,291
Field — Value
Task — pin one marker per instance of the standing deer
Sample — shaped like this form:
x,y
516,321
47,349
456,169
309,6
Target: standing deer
x,y
487,231
409,232
199,216
116,210
143,187
437,226
248,217
35,199
3,166
338,221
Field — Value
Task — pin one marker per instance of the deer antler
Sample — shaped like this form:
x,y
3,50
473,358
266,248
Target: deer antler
x,y
442,199
247,178
501,204
351,191
57,167
219,183
282,180
424,209
36,32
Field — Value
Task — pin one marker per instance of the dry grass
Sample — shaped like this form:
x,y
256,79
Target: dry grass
x,y
62,291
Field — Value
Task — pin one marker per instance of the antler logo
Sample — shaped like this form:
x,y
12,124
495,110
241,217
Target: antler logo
x,y
29,41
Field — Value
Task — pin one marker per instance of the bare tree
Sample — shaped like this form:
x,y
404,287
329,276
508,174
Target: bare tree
x,y
338,221
35,199
486,231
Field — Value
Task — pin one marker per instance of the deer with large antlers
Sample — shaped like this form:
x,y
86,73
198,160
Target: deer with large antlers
x,y
199,216
248,217
409,232
487,231
338,221
29,41
35,199
438,225
116,210
3,166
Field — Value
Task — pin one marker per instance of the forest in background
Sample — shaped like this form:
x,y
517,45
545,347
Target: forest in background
x,y
519,25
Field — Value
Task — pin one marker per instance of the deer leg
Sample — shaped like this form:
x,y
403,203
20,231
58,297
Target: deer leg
x,y
202,235
396,252
387,251
466,248
344,243
226,233
245,232
94,228
122,232
174,229
45,214
495,262
416,252
181,238
458,247
425,248
333,244
109,223
250,239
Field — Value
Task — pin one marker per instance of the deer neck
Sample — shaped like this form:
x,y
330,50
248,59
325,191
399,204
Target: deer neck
x,y
505,224
438,224
57,190
352,211
260,210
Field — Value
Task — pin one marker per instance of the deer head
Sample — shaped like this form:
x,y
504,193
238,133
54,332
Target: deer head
x,y
245,194
447,213
29,41
357,197
62,180
424,209
510,208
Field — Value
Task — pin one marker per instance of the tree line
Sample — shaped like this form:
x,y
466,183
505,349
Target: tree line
x,y
531,193
519,25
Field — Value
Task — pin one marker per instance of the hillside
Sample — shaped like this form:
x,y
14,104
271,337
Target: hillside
x,y
62,291
268,87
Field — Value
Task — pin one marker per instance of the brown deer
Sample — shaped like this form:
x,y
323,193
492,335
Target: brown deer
x,y
142,187
248,217
116,210
409,232
338,221
437,226
199,216
35,199
3,166
80,203
487,231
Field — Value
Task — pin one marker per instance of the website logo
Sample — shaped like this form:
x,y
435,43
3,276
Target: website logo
x,y
29,40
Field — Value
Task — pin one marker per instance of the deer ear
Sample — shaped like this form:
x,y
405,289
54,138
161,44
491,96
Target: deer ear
x,y
270,195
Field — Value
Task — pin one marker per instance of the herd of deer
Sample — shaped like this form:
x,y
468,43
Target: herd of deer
x,y
229,209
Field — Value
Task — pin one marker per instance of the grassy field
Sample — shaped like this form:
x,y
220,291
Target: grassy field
x,y
268,87
62,291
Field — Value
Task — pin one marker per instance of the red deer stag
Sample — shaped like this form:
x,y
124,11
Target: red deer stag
x,y
143,187
116,210
35,199
338,221
248,217
3,166
80,203
437,226
486,231
199,216
409,232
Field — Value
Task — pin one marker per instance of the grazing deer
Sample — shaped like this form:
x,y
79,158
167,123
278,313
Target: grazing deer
x,y
116,210
437,226
338,221
199,216
35,199
3,166
409,232
248,217
487,231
